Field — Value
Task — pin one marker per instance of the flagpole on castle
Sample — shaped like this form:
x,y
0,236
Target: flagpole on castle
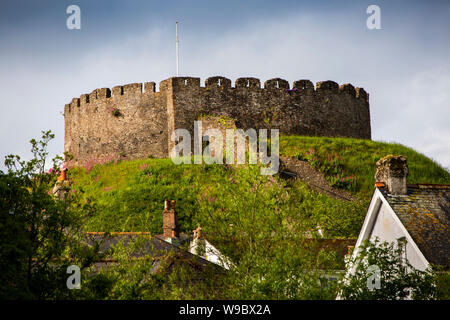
x,y
176,46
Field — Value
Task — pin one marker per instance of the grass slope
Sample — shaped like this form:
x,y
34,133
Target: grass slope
x,y
128,196
359,158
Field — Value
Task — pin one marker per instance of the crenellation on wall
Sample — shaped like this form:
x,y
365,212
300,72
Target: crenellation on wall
x,y
362,94
103,93
164,85
327,85
348,88
249,82
185,83
75,103
132,88
217,82
93,96
149,87
304,85
84,99
146,119
117,91
276,83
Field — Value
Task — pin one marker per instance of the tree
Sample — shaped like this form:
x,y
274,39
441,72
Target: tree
x,y
39,234
262,233
381,272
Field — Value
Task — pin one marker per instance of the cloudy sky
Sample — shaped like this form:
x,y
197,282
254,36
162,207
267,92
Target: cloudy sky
x,y
405,66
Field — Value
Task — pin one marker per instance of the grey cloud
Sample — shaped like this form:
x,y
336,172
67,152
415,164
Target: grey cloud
x,y
409,100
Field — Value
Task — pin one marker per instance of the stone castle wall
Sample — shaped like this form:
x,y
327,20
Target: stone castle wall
x,y
147,118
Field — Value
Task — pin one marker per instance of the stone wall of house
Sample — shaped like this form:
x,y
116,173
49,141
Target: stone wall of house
x,y
146,118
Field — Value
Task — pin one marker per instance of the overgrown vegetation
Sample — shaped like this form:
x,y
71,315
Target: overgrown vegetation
x,y
289,269
265,225
115,111
332,167
128,196
381,272
357,158
39,236
132,277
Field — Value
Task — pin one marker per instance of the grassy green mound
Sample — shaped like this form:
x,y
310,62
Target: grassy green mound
x,y
128,196
357,158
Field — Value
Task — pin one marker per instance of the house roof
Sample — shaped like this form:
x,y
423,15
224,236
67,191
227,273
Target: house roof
x,y
154,246
425,213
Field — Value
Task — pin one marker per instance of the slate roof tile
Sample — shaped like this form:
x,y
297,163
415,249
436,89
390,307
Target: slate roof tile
x,y
425,213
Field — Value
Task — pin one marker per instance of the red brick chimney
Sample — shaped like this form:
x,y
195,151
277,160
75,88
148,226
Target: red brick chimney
x,y
170,223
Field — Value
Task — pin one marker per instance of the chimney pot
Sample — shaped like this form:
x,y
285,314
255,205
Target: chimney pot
x,y
63,175
393,172
166,204
170,221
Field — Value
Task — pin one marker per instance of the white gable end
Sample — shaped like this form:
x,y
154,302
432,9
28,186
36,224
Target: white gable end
x,y
389,229
206,250
382,222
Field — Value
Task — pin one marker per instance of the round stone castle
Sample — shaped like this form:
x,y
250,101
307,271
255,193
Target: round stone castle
x,y
135,121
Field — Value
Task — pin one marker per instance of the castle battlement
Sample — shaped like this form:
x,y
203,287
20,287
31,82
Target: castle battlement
x,y
136,119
